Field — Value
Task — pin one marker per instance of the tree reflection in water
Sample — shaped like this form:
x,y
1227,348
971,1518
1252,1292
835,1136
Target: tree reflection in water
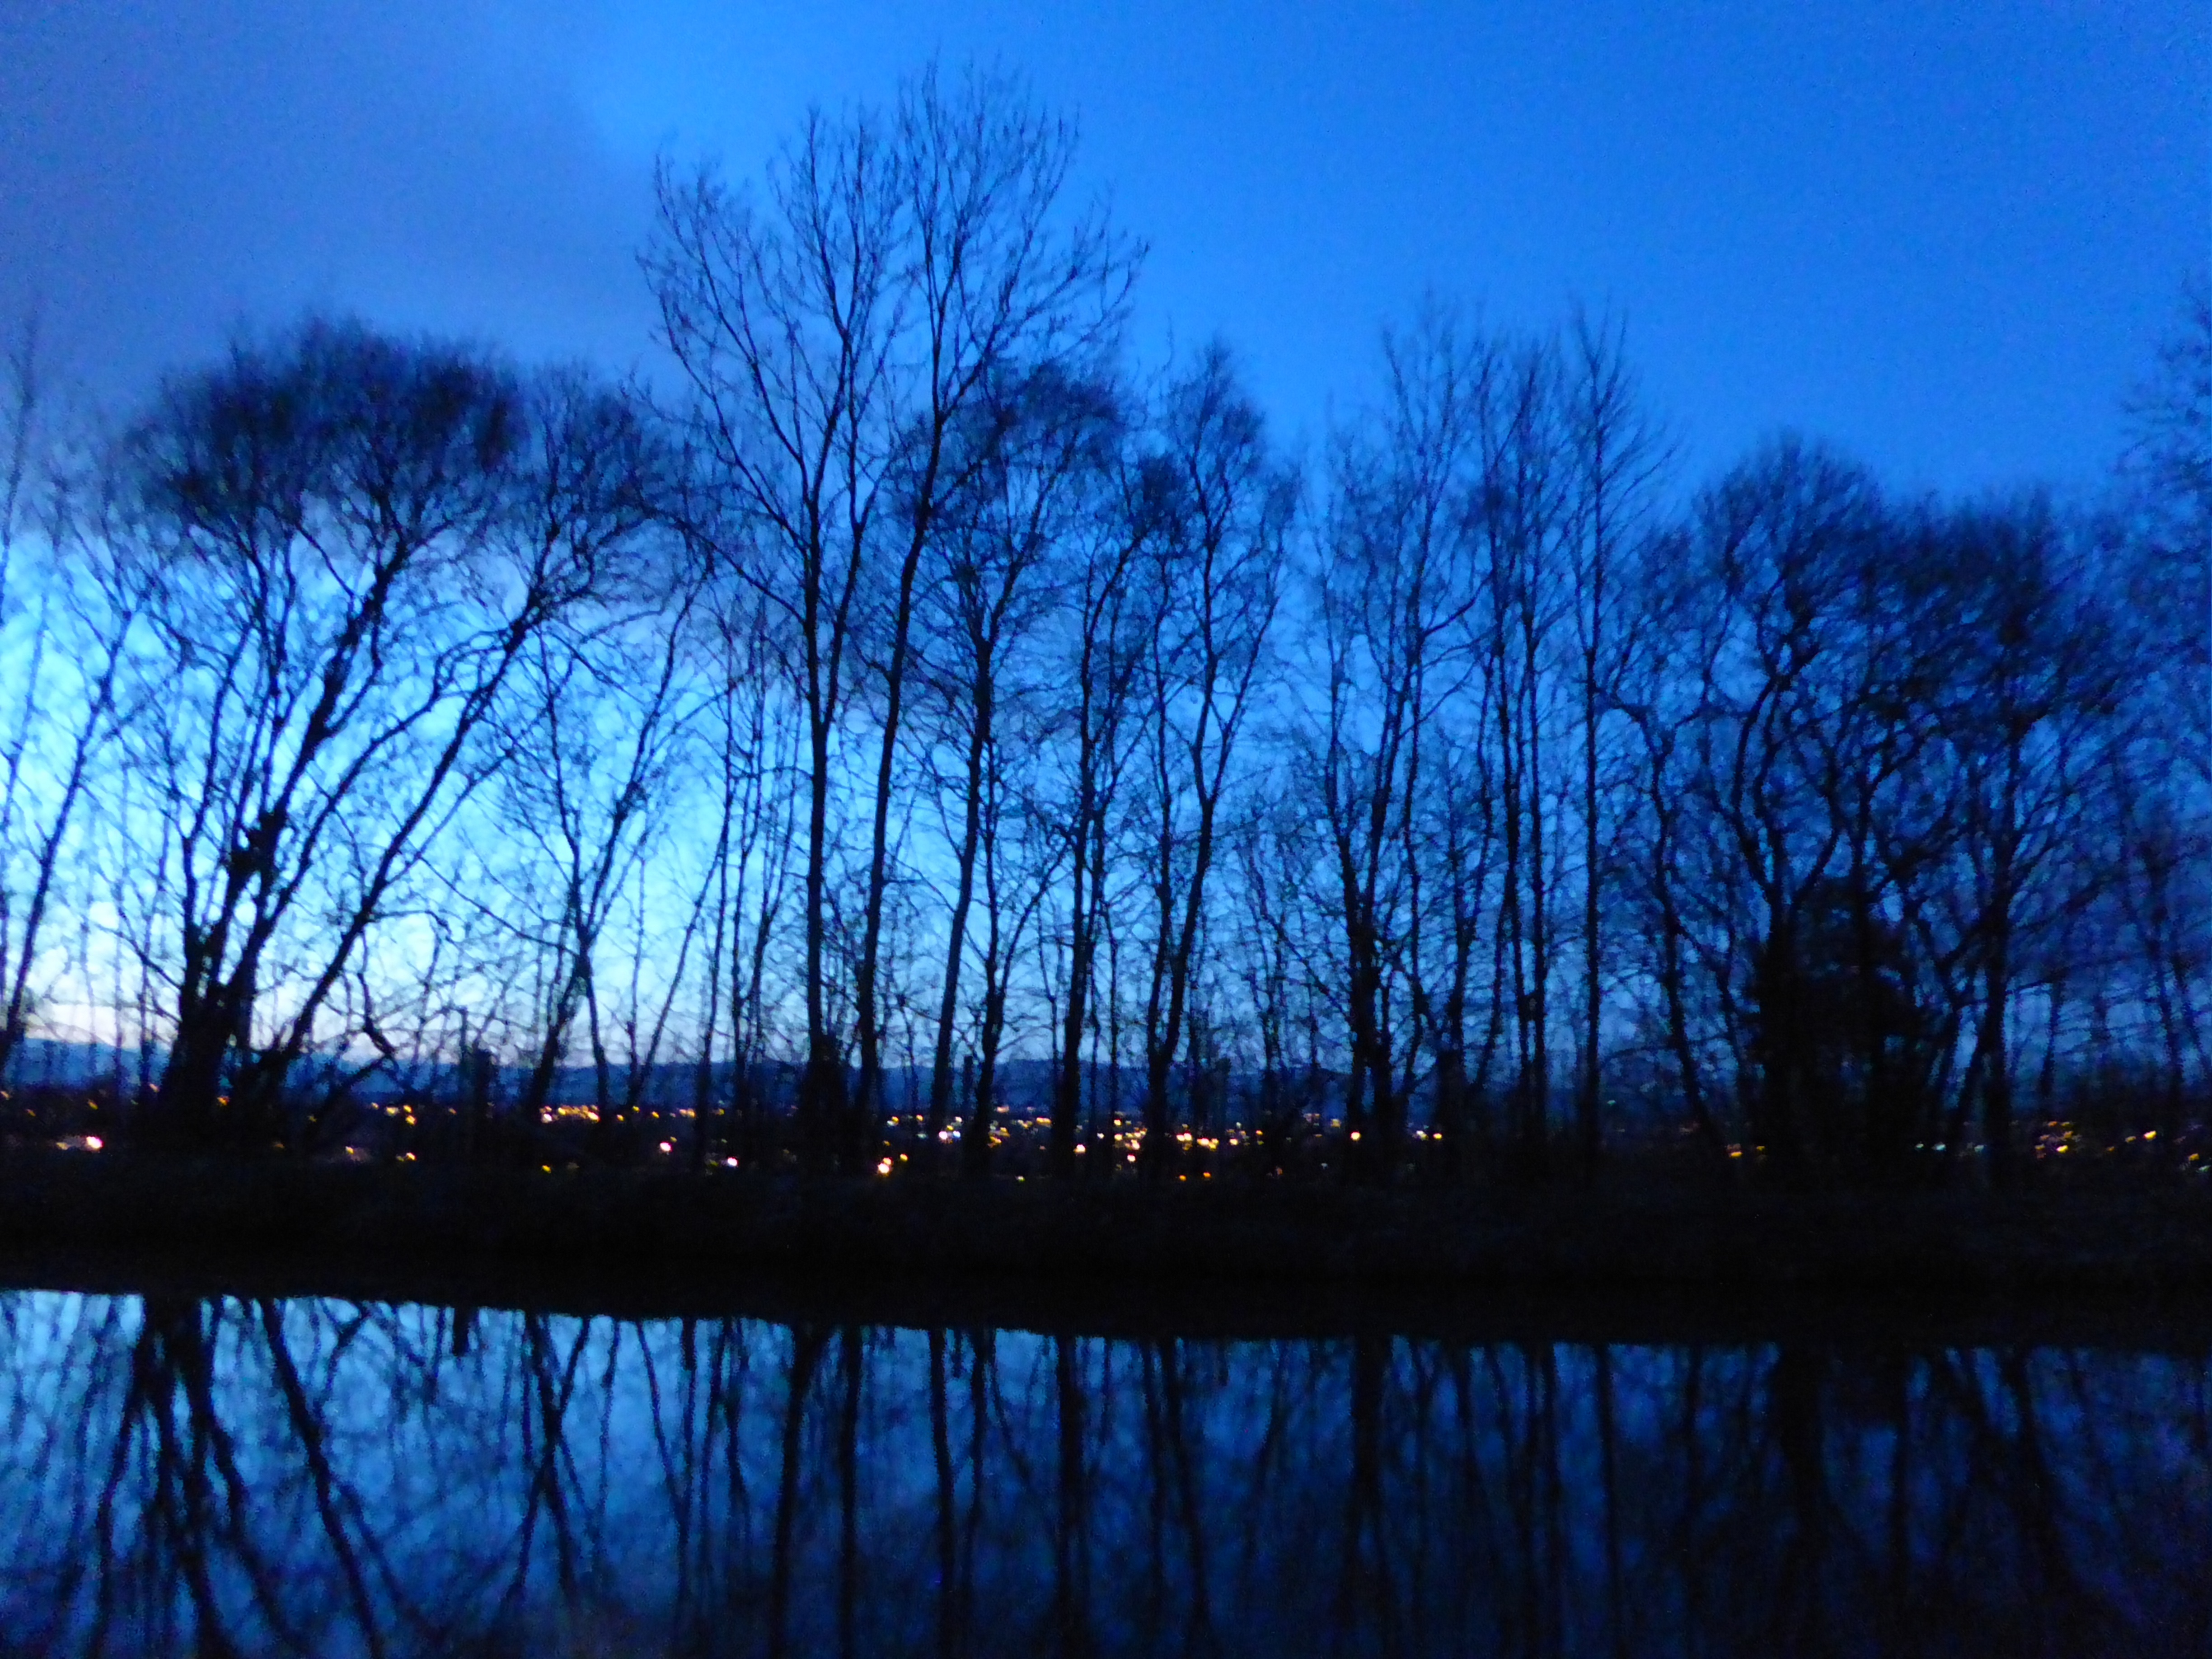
x,y
245,1477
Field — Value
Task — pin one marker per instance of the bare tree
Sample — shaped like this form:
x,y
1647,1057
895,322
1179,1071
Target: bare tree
x,y
1522,517
1394,595
2034,685
1657,695
2167,478
833,334
779,312
69,615
356,540
2163,780
1108,618
754,746
1616,463
601,711
1216,553
1051,443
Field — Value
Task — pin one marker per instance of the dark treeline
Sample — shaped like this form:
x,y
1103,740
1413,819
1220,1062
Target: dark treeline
x,y
907,713
240,1476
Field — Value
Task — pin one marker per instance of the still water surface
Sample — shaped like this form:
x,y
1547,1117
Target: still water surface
x,y
322,1477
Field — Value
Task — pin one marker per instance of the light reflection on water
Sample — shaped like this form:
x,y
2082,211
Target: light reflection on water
x,y
323,1477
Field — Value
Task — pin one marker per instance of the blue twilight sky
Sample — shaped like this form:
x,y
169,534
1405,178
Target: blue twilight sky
x,y
1945,236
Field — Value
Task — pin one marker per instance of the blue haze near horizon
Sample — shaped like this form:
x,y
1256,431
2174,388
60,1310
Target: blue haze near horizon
x,y
1945,239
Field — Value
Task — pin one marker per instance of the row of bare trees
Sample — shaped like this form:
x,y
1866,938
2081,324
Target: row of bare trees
x,y
906,713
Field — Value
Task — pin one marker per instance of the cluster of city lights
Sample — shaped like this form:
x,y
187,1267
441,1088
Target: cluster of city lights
x,y
1120,1139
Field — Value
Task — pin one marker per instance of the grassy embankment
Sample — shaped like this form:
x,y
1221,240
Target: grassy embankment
x,y
1226,1257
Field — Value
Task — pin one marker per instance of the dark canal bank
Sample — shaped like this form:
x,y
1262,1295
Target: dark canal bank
x,y
398,1226
283,1408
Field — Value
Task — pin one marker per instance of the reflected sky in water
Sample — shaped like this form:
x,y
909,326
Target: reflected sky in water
x,y
319,1477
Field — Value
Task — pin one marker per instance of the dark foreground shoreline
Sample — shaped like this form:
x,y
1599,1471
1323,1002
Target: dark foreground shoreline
x,y
1670,1264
